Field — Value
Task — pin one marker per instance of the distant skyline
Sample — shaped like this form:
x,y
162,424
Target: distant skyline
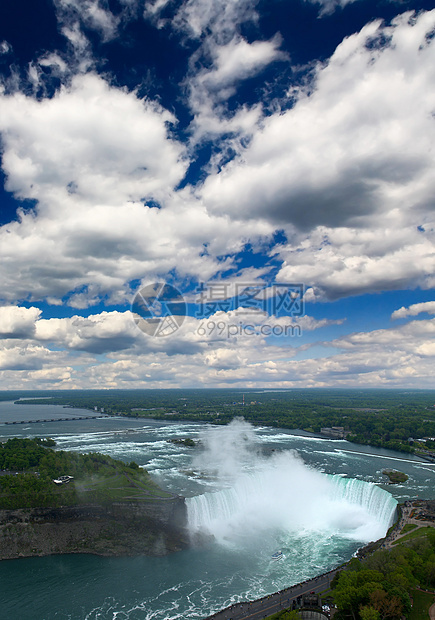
x,y
271,160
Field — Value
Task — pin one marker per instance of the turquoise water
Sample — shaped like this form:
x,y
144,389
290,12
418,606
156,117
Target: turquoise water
x,y
305,495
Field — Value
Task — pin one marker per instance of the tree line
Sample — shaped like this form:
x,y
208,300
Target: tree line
x,y
391,419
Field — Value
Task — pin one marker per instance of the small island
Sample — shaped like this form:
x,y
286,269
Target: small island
x,y
395,477
187,441
54,501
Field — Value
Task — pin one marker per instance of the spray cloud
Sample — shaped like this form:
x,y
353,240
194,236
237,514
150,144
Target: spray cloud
x,y
279,493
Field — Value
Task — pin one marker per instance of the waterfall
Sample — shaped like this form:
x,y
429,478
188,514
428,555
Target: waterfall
x,y
257,495
378,503
283,494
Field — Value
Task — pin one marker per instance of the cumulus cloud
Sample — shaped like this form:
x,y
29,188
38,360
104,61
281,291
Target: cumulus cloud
x,y
91,141
93,157
225,340
351,148
26,356
352,261
102,333
349,170
227,356
102,168
18,322
414,310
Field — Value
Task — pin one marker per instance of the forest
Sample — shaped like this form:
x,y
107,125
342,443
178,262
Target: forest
x,y
394,419
382,585
28,468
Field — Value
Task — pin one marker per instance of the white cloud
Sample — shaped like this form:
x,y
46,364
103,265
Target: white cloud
x,y
329,6
414,310
153,10
222,60
349,170
220,17
91,156
18,322
225,340
235,61
228,64
94,14
90,140
5,47
55,62
103,333
26,356
56,377
350,149
351,261
391,357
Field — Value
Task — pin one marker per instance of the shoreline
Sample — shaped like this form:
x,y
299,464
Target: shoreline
x,y
91,413
281,600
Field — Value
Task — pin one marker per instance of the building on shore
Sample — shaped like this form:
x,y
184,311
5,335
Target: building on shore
x,y
334,432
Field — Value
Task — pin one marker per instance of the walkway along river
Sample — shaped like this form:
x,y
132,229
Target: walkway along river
x,y
268,605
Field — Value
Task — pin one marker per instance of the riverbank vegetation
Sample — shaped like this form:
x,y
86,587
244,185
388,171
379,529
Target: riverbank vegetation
x,y
30,467
388,583
394,419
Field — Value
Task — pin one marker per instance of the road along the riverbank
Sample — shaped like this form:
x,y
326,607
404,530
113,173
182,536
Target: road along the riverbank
x,y
284,599
270,604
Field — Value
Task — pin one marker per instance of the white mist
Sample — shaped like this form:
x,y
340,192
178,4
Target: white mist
x,y
258,495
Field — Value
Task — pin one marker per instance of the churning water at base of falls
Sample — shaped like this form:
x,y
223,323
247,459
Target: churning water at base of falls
x,y
318,500
261,504
279,493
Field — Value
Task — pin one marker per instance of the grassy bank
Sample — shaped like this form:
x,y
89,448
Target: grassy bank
x,y
30,468
422,601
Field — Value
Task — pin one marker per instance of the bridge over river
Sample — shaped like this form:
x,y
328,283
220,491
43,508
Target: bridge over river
x,y
87,417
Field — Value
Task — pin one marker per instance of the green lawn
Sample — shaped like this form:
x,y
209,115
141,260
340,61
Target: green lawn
x,y
121,485
420,608
117,488
421,531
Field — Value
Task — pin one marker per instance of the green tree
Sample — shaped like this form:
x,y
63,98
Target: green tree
x,y
388,607
369,613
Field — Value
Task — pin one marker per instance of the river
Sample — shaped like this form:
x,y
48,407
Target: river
x,y
257,490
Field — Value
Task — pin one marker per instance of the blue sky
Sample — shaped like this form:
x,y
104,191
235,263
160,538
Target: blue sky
x,y
279,147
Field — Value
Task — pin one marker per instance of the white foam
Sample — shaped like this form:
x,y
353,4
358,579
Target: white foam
x,y
280,493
